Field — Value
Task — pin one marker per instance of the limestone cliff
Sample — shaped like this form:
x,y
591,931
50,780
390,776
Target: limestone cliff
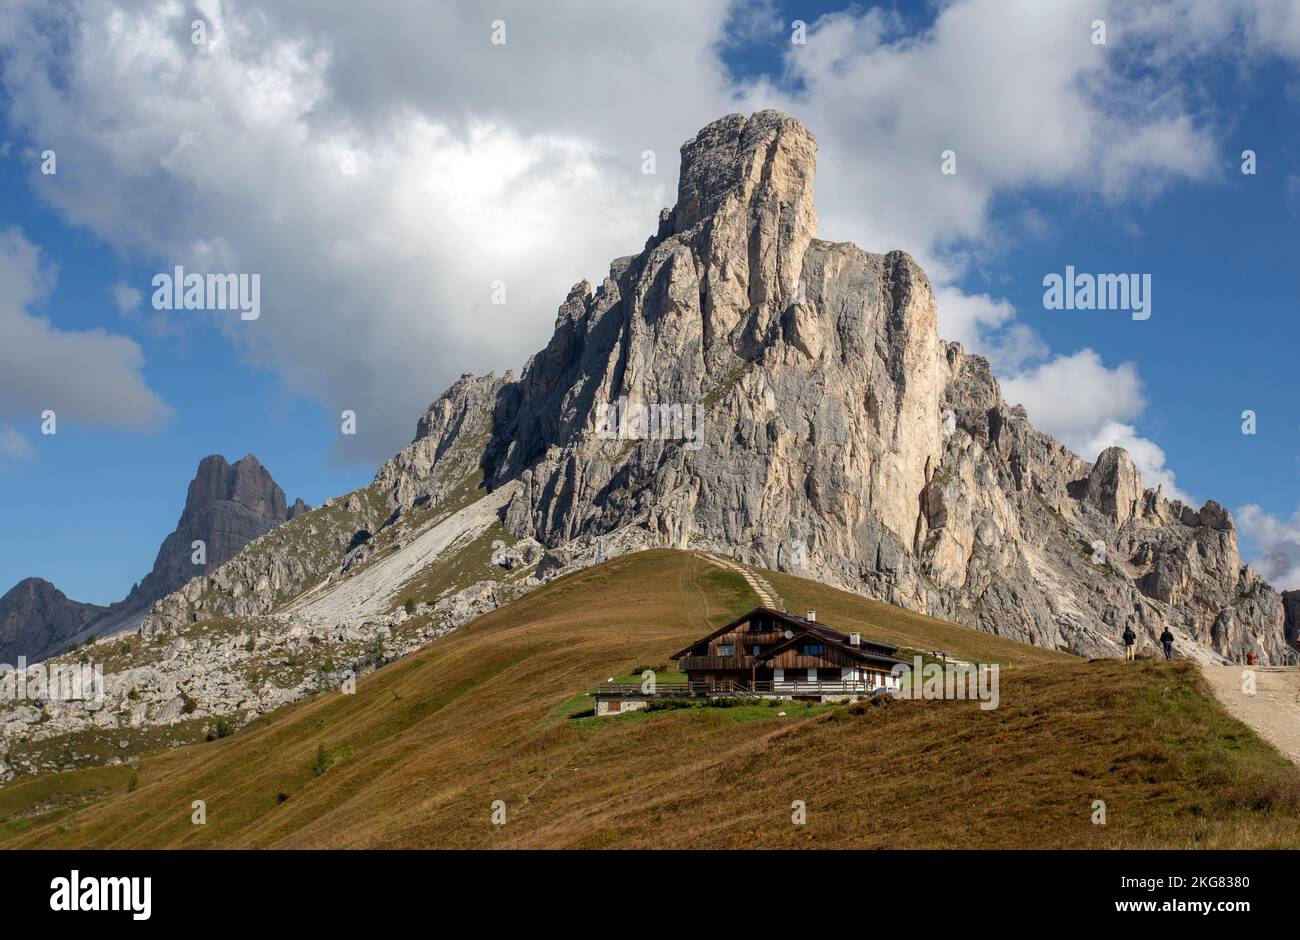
x,y
838,436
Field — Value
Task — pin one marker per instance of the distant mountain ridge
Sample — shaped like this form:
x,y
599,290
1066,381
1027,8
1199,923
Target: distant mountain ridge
x,y
226,507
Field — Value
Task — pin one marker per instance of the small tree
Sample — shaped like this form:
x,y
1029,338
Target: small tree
x,y
410,605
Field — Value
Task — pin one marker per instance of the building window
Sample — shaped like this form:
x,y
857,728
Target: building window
x,y
814,649
726,649
755,649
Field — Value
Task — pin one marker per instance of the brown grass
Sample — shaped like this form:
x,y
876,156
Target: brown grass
x,y
418,755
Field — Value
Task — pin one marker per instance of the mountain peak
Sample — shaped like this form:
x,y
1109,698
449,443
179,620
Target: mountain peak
x,y
799,411
765,161
226,507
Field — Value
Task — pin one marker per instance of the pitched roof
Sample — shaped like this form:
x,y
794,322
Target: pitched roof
x,y
776,614
865,653
868,650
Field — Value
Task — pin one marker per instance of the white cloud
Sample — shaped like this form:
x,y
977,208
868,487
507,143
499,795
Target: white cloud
x,y
1147,456
1087,407
1072,397
1015,87
13,444
126,298
985,325
380,171
91,376
1274,544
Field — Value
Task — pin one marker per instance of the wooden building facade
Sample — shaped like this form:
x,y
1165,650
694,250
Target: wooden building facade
x,y
771,651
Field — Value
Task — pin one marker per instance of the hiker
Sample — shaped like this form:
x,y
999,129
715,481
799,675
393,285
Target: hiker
x,y
1167,639
1130,647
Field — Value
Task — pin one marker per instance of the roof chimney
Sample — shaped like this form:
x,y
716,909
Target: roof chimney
x,y
855,639
812,616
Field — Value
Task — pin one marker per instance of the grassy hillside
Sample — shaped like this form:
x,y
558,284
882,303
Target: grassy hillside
x,y
493,712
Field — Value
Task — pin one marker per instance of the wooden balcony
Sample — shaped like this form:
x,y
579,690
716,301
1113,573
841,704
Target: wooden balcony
x,y
715,663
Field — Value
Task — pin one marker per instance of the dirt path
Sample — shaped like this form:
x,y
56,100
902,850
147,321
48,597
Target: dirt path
x,y
1273,711
767,595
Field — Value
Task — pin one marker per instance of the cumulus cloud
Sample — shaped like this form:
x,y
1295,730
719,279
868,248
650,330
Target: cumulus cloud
x,y
886,105
1071,397
1087,406
91,376
380,172
1273,544
382,166
988,326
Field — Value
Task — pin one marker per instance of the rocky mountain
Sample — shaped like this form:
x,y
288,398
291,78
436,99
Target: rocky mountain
x,y
227,506
839,437
36,608
744,387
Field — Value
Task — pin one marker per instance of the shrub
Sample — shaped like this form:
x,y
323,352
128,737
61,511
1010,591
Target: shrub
x,y
410,605
188,705
668,704
321,762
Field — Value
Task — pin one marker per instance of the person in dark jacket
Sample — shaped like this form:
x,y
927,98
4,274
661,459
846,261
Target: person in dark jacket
x,y
1130,644
1167,640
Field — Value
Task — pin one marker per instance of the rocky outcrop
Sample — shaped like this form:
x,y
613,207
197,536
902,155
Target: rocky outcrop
x,y
1042,546
36,616
277,566
817,424
198,682
227,506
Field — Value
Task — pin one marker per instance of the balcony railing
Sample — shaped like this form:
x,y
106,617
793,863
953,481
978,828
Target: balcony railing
x,y
729,687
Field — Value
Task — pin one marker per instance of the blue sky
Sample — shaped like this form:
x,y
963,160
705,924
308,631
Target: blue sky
x,y
462,166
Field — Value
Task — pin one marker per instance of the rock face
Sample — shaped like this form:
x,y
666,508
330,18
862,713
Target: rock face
x,y
817,424
35,614
227,507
